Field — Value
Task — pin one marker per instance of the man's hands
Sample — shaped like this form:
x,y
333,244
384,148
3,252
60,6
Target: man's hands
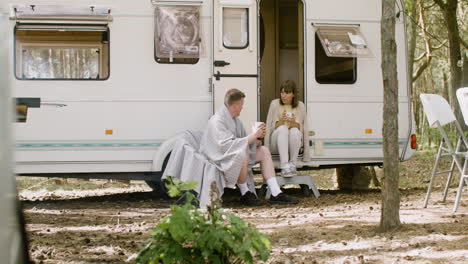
x,y
259,143
259,132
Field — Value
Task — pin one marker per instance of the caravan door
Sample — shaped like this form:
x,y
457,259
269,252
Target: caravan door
x,y
235,54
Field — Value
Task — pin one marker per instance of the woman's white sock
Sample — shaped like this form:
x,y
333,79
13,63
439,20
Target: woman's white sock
x,y
274,187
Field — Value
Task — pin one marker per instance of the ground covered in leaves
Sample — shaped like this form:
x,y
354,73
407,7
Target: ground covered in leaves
x,y
78,221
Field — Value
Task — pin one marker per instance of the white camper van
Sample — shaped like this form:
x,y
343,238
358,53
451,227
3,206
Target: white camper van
x,y
105,87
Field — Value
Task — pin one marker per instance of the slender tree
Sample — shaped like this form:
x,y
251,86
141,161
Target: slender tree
x,y
449,10
412,11
390,214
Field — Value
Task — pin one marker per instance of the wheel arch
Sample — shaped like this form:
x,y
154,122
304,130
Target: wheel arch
x,y
163,152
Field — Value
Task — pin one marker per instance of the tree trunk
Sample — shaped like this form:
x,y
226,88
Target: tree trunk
x,y
449,10
465,71
390,214
455,56
445,92
424,137
412,41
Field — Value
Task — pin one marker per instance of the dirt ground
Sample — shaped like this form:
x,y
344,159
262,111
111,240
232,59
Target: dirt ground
x,y
78,221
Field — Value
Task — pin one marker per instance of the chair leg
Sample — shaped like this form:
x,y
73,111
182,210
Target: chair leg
x,y
455,161
449,180
459,192
463,177
434,169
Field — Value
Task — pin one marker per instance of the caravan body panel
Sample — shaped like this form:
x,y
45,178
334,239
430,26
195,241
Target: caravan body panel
x,y
128,119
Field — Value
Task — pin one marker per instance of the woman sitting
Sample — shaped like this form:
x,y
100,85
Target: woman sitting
x,y
287,129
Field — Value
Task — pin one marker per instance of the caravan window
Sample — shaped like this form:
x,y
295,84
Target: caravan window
x,y
336,50
235,28
177,34
333,70
61,52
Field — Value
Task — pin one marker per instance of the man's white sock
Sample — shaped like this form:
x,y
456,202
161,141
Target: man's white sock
x,y
274,187
243,188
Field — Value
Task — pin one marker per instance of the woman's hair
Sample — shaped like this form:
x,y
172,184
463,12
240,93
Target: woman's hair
x,y
289,86
232,96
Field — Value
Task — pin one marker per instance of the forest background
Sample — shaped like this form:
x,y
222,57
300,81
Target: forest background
x,y
438,57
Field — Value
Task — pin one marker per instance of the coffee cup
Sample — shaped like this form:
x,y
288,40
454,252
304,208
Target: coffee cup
x,y
256,125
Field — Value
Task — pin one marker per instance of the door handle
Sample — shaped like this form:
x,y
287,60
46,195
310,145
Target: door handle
x,y
217,75
220,63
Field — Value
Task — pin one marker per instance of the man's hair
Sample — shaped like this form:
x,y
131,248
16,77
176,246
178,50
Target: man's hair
x,y
289,86
232,96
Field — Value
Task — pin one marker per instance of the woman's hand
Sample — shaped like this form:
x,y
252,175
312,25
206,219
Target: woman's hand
x,y
289,117
284,117
292,122
293,118
282,121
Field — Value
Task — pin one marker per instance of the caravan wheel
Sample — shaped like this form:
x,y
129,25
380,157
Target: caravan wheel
x,y
157,185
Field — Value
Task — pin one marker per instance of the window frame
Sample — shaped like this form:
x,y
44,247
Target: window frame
x,y
18,62
248,27
176,60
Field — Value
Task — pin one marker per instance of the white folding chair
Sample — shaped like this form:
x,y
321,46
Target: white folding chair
x,y
462,96
439,114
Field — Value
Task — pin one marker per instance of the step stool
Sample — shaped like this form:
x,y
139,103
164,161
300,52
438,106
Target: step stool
x,y
305,181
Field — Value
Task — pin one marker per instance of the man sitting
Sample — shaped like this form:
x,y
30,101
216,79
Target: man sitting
x,y
226,144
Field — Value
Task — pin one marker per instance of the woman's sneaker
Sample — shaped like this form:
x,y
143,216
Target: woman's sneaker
x,y
283,198
293,168
286,171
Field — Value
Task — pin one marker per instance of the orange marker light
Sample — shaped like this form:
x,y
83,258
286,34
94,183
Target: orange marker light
x,y
109,131
368,131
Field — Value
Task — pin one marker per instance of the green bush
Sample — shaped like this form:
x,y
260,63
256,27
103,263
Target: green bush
x,y
190,235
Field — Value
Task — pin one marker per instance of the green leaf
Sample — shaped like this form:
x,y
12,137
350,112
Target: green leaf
x,y
181,224
188,185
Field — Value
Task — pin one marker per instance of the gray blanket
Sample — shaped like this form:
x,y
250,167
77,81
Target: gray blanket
x,y
224,143
188,164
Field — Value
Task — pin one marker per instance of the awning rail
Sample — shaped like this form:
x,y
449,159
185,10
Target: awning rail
x,y
55,13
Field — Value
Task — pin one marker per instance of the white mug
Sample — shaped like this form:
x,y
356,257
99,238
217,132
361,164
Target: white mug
x,y
256,125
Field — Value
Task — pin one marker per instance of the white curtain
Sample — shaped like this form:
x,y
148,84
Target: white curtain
x,y
60,63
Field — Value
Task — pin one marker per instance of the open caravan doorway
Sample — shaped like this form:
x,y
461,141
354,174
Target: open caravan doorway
x,y
281,24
